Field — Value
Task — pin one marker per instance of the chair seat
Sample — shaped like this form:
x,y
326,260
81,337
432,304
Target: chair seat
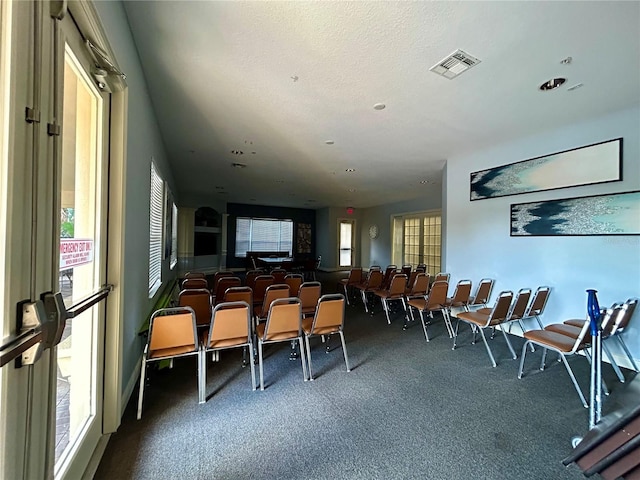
x,y
484,310
418,303
225,343
575,322
556,340
569,331
478,318
172,352
387,295
451,303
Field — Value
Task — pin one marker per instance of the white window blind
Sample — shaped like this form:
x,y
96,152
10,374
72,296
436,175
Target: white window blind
x,y
174,235
263,235
156,214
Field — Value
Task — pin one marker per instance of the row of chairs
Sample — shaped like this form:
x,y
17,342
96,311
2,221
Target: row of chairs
x,y
573,336
173,333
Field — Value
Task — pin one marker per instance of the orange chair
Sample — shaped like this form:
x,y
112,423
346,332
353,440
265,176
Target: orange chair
x,y
222,285
309,294
272,293
483,293
294,280
418,285
370,285
395,292
346,284
461,295
278,275
480,321
172,334
194,283
230,328
200,301
434,302
260,287
328,320
284,324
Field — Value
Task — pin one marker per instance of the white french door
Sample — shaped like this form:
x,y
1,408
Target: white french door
x,y
53,217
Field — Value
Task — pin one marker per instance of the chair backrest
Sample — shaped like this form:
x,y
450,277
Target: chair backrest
x,y
437,294
200,301
273,292
173,328
230,324
309,294
194,283
238,294
398,285
217,276
501,308
462,292
442,276
406,269
260,287
420,284
329,316
388,273
421,267
375,267
584,339
539,302
519,307
284,320
223,284
294,280
483,292
194,275
278,275
355,276
608,324
624,316
374,279
250,277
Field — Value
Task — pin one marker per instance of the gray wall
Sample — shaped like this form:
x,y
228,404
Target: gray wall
x,y
477,233
143,142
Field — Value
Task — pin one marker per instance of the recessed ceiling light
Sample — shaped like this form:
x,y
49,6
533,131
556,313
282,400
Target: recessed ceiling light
x,y
352,190
219,188
350,170
279,181
575,87
552,84
566,61
238,165
423,181
379,106
253,153
237,152
329,142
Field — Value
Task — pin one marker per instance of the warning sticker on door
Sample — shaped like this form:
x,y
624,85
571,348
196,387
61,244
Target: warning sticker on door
x,y
74,252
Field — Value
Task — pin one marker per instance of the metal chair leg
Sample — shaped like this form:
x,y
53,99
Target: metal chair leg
x,y
253,368
261,368
614,365
484,339
143,379
304,361
202,375
626,350
522,357
344,350
513,353
306,338
424,325
575,382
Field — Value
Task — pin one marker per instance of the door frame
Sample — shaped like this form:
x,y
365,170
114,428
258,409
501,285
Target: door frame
x,y
28,393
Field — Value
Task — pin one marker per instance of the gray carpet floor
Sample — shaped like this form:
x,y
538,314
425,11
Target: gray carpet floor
x,y
408,409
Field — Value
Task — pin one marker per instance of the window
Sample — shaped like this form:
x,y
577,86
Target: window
x,y
174,235
156,214
263,235
417,239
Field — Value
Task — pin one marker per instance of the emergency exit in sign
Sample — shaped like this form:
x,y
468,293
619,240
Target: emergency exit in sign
x,y
75,251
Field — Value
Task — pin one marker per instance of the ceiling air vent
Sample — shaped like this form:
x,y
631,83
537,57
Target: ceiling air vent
x,y
453,65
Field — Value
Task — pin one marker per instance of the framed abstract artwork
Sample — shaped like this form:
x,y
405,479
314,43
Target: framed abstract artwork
x,y
597,163
611,214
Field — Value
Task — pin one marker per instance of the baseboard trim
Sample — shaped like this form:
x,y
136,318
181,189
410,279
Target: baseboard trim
x,y
131,385
94,462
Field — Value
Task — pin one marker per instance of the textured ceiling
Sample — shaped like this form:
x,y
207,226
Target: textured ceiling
x,y
281,78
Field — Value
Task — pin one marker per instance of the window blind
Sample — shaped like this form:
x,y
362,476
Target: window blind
x,y
174,235
263,235
156,214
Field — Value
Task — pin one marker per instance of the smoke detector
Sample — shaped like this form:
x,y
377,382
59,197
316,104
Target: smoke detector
x,y
455,64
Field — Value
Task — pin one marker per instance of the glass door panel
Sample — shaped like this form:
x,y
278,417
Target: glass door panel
x,y
79,263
